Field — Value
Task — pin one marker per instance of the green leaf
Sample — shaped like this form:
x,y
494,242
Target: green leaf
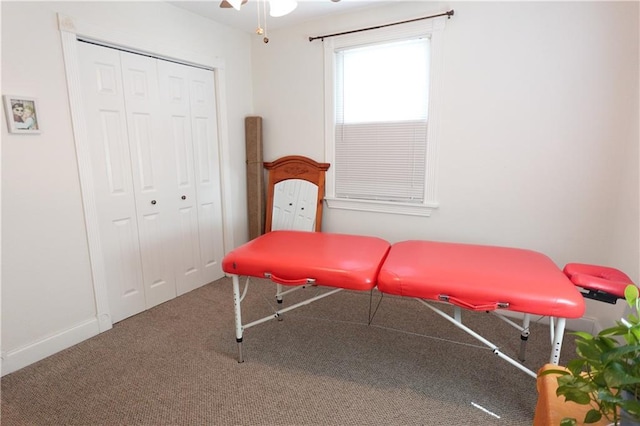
x,y
616,330
606,396
574,384
605,343
632,318
583,335
619,353
617,375
568,422
576,366
576,395
592,416
588,350
631,295
554,371
631,406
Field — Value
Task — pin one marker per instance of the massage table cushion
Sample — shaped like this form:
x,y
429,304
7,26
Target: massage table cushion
x,y
480,278
601,282
338,260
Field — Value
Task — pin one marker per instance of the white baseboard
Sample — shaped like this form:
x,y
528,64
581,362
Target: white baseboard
x,y
14,360
587,324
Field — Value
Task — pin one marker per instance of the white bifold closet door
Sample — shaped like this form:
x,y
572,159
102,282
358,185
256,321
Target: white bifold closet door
x,y
187,96
294,205
152,133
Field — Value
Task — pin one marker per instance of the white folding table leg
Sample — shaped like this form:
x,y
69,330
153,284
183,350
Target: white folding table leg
x,y
472,333
524,331
279,312
238,314
557,341
524,335
457,314
279,293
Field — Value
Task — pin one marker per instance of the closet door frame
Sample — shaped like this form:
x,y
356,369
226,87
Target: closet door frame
x,y
71,29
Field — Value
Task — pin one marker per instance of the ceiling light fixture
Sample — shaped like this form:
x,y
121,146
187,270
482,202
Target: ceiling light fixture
x,y
279,8
276,7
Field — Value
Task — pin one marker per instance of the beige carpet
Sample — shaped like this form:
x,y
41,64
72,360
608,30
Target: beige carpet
x,y
176,365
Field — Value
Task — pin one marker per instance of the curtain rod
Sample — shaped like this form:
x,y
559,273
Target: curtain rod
x,y
322,37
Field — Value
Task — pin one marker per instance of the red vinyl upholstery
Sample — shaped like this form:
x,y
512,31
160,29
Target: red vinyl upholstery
x,y
478,277
598,278
472,276
291,257
469,276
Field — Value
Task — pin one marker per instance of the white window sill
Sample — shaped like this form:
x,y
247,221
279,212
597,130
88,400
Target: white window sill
x,y
382,206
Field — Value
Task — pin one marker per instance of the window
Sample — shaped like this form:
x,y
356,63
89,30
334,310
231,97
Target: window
x,y
380,108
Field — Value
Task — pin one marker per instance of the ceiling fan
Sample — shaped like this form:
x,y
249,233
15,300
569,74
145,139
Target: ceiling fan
x,y
226,5
276,7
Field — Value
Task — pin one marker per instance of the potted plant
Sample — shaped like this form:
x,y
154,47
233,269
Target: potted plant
x,y
606,372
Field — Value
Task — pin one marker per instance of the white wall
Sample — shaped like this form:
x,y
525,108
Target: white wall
x,y
539,132
539,140
47,290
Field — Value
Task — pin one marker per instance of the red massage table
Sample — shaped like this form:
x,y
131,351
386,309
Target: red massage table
x,y
472,277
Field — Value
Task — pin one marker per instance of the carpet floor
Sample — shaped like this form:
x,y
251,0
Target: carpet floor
x,y
323,364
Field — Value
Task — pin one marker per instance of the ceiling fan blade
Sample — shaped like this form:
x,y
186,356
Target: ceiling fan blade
x,y
226,5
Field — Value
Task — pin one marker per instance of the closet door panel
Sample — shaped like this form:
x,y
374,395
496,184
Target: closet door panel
x,y
174,93
209,249
305,217
112,180
116,152
206,199
181,134
153,175
189,257
284,204
207,171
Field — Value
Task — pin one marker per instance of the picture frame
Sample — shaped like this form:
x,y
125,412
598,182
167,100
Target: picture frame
x,y
23,115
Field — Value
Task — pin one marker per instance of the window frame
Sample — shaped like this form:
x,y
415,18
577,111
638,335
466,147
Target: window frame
x,y
432,28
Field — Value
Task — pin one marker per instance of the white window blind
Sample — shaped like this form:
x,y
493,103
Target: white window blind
x,y
381,119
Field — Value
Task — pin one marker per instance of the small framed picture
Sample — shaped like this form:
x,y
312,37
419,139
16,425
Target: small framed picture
x,y
22,114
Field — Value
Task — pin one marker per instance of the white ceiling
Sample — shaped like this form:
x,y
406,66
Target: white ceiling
x,y
246,19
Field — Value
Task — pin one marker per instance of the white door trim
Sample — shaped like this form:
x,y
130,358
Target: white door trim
x,y
70,30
